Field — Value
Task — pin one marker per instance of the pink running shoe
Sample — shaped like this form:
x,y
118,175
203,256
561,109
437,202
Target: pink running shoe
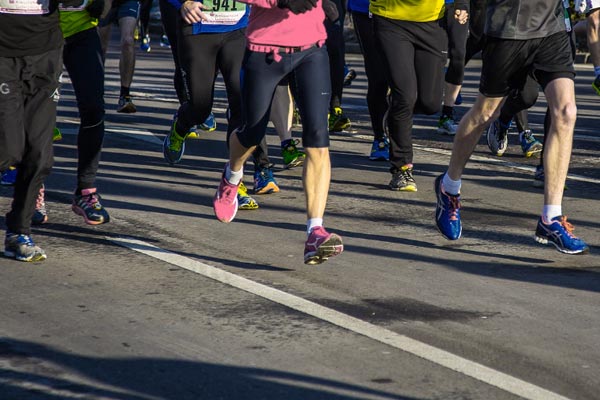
x,y
225,202
321,245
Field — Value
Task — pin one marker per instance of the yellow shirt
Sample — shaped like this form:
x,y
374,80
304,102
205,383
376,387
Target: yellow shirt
x,y
408,10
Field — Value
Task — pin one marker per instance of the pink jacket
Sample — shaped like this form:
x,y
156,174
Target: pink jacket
x,y
271,27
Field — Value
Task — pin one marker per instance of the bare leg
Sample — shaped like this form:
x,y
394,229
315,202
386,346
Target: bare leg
x,y
316,177
127,61
475,121
559,141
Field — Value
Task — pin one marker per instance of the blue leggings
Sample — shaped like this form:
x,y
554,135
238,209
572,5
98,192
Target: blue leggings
x,y
310,71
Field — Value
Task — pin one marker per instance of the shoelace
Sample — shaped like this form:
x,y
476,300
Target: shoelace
x,y
567,226
90,201
454,207
175,142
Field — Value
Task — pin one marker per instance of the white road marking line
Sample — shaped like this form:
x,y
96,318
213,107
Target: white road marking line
x,y
441,357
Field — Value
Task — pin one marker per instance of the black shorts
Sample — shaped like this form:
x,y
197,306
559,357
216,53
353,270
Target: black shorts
x,y
506,63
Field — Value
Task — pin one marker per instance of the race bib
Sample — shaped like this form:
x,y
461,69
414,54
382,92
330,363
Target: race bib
x,y
224,12
30,7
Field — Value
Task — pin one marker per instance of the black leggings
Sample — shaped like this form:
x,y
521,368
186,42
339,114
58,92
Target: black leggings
x,y
457,48
27,118
336,49
169,16
262,74
413,54
201,57
83,60
376,83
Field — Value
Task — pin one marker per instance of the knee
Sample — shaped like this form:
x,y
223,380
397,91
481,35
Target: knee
x,y
565,113
127,42
91,115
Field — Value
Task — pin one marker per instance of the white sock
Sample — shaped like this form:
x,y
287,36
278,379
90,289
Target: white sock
x,y
234,177
551,211
451,186
313,223
597,71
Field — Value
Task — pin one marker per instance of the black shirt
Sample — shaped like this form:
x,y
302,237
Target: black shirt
x,y
524,19
25,35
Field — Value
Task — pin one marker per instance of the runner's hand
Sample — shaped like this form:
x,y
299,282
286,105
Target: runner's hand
x,y
297,6
191,12
331,10
462,16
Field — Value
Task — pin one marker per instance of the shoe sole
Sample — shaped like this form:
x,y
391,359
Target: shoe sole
x,y
531,152
404,189
329,248
128,109
88,221
270,188
296,163
446,132
543,240
378,158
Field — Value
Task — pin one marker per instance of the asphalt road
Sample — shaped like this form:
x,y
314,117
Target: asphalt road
x,y
165,302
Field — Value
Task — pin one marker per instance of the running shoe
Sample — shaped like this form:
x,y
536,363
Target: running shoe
x,y
126,105
321,245
245,202
349,76
22,248
9,177
292,157
193,133
497,138
210,124
56,135
380,150
89,207
403,179
596,84
559,232
174,145
338,120
529,144
145,45
40,215
447,125
164,41
264,181
225,202
447,212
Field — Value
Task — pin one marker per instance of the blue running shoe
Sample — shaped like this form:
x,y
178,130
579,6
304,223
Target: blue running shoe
x,y
145,45
22,248
447,212
264,182
380,150
560,233
529,144
210,124
9,177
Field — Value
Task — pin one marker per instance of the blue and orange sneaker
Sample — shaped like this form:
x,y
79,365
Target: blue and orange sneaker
x,y
447,212
264,181
559,232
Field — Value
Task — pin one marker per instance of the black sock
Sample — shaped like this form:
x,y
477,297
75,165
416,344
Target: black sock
x,y
124,91
447,111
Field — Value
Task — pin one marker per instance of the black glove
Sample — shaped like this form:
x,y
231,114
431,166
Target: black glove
x,y
297,6
71,3
95,8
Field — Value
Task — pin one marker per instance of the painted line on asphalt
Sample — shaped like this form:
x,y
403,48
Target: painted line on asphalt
x,y
433,354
